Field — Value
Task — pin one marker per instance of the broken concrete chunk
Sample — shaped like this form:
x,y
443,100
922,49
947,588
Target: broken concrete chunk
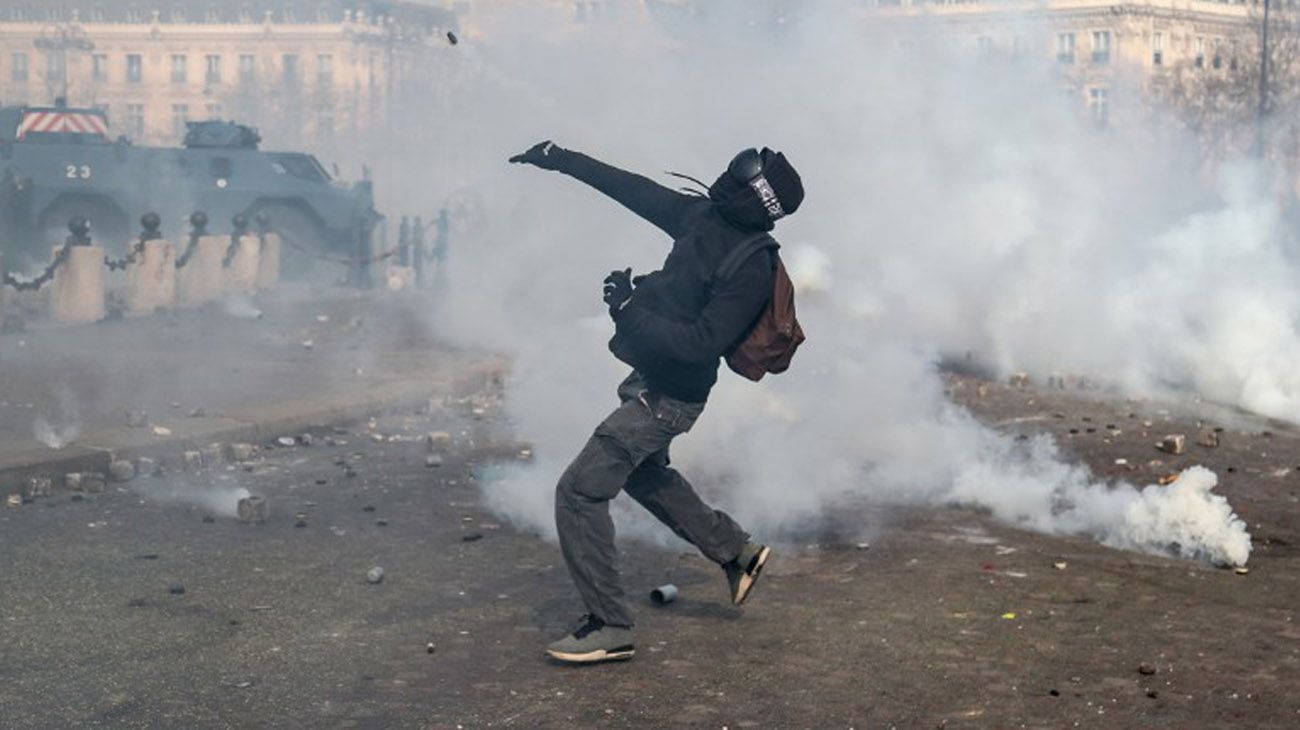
x,y
252,509
193,460
1172,444
93,482
306,439
72,481
438,440
37,487
287,441
241,452
433,460
1208,437
14,500
1018,380
121,470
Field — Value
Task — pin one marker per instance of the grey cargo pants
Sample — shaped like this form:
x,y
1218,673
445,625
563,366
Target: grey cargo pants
x,y
629,450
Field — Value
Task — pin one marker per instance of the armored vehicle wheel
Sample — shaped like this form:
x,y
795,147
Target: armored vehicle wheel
x,y
305,241
109,227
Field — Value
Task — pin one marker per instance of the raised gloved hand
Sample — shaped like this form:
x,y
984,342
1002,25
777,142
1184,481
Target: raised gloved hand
x,y
546,155
618,289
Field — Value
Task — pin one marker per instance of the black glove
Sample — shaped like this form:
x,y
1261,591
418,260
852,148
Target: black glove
x,y
618,289
546,155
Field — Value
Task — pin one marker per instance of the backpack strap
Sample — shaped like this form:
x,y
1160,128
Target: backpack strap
x,y
738,255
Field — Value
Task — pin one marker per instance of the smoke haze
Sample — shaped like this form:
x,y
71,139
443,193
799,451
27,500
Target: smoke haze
x,y
955,206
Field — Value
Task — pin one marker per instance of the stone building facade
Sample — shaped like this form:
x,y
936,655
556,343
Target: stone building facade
x,y
1102,49
303,70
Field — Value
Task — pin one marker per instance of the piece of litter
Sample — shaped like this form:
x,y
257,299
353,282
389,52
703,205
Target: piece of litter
x,y
1009,615
1015,574
1121,462
1059,565
375,575
161,431
1241,570
863,545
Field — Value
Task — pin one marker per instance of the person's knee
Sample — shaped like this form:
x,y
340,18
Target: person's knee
x,y
596,475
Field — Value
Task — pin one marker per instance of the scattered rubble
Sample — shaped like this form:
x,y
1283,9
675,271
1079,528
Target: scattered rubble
x,y
1018,380
1209,438
193,460
37,487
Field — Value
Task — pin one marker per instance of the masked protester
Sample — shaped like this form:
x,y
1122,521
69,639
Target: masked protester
x,y
672,326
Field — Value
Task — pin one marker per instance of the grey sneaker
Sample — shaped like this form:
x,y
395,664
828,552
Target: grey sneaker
x,y
743,571
594,641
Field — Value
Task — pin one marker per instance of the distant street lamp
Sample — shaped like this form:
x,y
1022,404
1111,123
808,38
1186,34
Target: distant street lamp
x,y
59,39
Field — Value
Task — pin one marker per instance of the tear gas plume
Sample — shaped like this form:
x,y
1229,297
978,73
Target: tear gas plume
x,y
954,206
221,501
62,425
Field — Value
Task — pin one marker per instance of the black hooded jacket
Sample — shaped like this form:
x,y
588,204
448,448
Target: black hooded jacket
x,y
680,322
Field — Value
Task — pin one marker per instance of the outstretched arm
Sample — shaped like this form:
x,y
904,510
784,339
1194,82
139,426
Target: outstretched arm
x,y
661,206
725,319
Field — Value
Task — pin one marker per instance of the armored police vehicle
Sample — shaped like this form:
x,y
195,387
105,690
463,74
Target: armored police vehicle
x,y
58,162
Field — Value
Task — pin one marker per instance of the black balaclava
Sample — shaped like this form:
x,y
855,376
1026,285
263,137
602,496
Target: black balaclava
x,y
757,189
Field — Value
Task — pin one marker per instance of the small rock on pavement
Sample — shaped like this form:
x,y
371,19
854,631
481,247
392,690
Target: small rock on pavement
x,y
121,470
252,509
375,575
437,440
1173,443
14,500
1209,438
287,441
433,460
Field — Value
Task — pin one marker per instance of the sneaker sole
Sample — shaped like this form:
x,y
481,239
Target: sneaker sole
x,y
591,657
750,577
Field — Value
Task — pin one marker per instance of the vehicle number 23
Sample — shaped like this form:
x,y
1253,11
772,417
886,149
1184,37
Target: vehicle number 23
x,y
77,172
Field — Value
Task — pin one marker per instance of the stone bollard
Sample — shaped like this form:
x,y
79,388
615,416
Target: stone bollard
x,y
202,278
151,280
268,268
242,271
77,292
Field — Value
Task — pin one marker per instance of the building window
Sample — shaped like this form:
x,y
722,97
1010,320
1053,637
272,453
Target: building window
x,y
1101,46
180,68
1017,46
212,110
135,120
134,68
291,69
178,15
1217,61
180,117
98,15
245,15
99,67
247,69
1232,55
1065,48
1157,49
325,71
134,15
212,69
1099,104
984,44
54,68
1199,61
214,15
18,70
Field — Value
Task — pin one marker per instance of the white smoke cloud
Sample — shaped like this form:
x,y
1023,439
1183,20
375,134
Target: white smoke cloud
x,y
954,206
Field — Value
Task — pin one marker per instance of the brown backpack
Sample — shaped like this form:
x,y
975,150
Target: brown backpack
x,y
776,334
